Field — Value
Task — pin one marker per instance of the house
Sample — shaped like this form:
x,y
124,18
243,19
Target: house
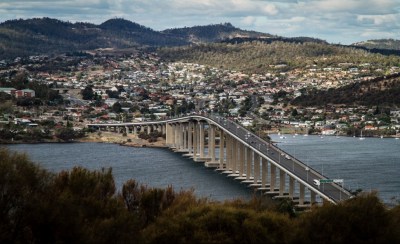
x,y
110,101
25,93
8,90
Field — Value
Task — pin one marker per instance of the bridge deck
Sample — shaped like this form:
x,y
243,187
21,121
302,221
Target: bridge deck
x,y
292,166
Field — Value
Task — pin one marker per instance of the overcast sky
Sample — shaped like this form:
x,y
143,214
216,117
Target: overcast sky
x,y
336,21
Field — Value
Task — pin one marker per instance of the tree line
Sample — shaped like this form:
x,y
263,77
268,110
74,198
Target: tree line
x,y
261,57
379,91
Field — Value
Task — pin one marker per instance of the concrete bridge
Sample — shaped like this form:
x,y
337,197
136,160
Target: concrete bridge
x,y
235,151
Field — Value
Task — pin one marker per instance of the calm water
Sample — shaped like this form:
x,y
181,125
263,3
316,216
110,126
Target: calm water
x,y
151,166
370,164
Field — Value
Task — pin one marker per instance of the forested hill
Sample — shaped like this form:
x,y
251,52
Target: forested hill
x,y
388,44
46,36
379,91
262,57
213,33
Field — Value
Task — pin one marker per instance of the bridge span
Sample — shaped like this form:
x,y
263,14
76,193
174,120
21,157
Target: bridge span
x,y
235,151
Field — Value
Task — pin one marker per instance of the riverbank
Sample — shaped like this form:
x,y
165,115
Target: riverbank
x,y
130,140
103,137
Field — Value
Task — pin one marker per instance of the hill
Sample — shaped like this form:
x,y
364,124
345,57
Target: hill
x,y
213,33
47,36
379,91
389,44
263,56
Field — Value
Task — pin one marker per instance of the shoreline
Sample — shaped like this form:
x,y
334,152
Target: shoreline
x,y
129,141
132,141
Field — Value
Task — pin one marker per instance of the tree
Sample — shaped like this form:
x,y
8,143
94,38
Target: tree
x,y
117,107
294,112
87,93
68,134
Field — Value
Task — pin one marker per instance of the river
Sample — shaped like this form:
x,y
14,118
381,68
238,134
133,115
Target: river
x,y
372,164
155,167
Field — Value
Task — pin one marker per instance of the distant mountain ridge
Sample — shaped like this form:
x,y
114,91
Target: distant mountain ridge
x,y
390,44
45,35
37,36
214,33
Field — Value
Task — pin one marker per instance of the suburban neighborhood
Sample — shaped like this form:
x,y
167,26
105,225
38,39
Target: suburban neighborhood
x,y
108,87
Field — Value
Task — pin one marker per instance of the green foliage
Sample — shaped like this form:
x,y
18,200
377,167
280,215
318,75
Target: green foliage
x,y
363,219
6,107
69,207
68,134
116,107
258,57
200,222
87,93
379,91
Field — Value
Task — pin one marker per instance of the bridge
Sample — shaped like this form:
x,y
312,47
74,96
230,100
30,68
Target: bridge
x,y
230,148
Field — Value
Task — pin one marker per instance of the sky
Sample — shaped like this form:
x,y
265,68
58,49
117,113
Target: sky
x,y
336,21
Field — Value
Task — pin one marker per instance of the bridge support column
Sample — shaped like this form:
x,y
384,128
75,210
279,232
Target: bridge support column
x,y
184,137
234,155
291,187
195,141
149,129
190,137
301,197
135,130
313,197
242,159
211,143
221,149
180,135
264,171
141,128
176,136
168,134
282,177
256,168
249,161
273,178
228,164
201,124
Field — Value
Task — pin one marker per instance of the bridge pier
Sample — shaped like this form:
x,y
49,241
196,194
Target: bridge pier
x,y
249,161
264,171
242,159
281,182
195,141
221,150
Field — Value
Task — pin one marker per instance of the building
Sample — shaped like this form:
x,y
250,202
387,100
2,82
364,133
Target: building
x,y
25,93
8,90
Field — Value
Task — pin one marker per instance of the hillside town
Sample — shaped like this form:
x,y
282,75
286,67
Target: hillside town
x,y
107,87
